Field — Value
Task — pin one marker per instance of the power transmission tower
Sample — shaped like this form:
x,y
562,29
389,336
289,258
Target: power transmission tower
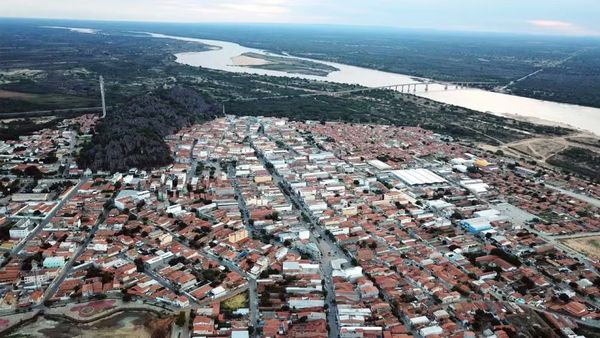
x,y
102,95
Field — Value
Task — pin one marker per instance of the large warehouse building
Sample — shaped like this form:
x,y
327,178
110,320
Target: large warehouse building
x,y
418,176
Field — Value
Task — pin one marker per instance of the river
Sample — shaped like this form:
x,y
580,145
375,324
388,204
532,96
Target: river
x,y
539,111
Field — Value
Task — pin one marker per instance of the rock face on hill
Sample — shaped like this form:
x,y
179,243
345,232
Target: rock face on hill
x,y
132,135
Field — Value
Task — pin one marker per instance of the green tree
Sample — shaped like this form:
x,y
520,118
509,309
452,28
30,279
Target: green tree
x,y
181,319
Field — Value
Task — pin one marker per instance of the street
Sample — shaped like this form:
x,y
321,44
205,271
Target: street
x,y
49,217
326,246
67,267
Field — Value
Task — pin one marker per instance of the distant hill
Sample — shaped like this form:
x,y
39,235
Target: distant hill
x,y
132,135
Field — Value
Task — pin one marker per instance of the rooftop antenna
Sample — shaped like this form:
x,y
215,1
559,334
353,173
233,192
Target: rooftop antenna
x,y
102,95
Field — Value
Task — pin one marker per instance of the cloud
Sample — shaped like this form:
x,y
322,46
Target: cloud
x,y
552,24
160,10
549,17
262,7
561,28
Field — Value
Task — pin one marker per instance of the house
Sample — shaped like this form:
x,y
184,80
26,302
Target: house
x,y
203,325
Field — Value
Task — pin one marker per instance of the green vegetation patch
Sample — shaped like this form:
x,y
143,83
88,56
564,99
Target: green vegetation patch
x,y
236,302
132,134
578,160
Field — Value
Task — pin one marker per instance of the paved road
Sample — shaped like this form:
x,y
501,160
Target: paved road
x,y
326,246
591,200
570,252
251,286
241,201
67,268
576,235
520,217
326,271
192,171
228,264
182,331
48,218
253,302
161,280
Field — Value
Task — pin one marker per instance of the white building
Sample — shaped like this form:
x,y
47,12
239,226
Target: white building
x,y
127,195
317,206
430,331
291,268
240,334
350,274
418,176
54,262
305,302
475,186
22,228
377,164
174,209
35,278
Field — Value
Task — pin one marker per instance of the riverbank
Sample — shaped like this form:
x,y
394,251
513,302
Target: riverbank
x,y
118,319
579,117
127,325
538,120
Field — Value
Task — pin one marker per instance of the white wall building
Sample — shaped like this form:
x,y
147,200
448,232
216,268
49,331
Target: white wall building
x,y
54,262
22,228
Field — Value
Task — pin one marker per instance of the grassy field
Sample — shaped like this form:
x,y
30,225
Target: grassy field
x,y
589,246
11,102
65,100
235,302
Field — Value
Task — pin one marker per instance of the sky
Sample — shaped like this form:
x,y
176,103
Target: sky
x,y
551,17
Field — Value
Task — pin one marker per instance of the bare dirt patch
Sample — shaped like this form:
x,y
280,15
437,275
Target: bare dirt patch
x,y
244,60
589,246
541,149
5,94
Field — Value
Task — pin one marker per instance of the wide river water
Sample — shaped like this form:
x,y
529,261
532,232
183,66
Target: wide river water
x,y
546,112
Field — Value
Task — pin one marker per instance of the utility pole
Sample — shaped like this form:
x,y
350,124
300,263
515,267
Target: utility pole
x,y
102,95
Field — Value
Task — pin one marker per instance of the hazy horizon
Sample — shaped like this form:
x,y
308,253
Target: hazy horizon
x,y
537,17
100,24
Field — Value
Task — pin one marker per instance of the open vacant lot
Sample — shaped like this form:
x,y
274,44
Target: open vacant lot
x,y
589,246
236,302
540,148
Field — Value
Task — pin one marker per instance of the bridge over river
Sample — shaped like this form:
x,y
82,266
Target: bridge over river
x,y
411,87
